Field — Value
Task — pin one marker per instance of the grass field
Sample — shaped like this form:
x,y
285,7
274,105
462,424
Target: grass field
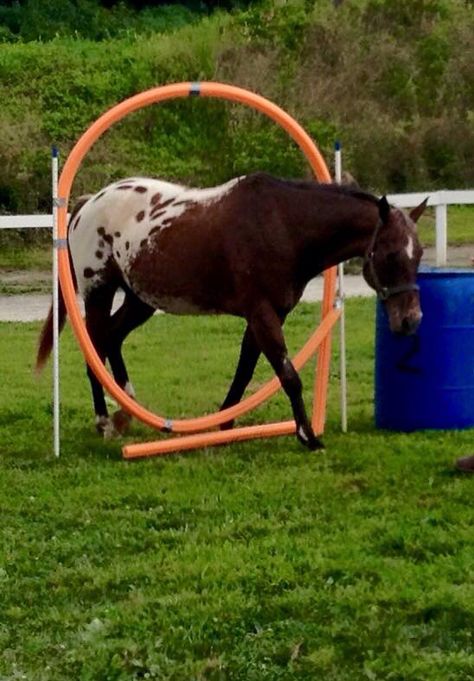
x,y
460,226
258,561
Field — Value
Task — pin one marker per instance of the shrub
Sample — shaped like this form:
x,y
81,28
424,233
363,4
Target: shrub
x,y
395,85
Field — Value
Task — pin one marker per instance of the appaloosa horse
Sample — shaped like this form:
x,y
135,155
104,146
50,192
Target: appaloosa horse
x,y
246,248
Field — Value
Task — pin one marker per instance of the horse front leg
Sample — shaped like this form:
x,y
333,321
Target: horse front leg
x,y
249,354
268,333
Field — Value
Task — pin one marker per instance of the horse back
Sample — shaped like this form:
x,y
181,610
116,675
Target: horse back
x,y
184,250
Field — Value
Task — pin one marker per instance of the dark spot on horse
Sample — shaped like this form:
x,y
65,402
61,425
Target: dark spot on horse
x,y
143,242
101,231
159,207
140,189
155,229
127,245
117,253
167,222
109,239
101,243
156,214
155,198
185,202
88,272
99,255
99,196
164,203
117,234
125,186
140,216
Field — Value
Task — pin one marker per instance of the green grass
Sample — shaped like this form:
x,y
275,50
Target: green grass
x,y
460,226
14,256
257,561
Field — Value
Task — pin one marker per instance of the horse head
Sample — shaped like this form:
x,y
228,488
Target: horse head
x,y
391,263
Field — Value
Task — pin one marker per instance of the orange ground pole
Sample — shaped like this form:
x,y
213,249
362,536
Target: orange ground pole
x,y
320,339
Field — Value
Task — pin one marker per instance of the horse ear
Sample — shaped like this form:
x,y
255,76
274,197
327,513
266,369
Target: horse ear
x,y
384,209
415,213
348,180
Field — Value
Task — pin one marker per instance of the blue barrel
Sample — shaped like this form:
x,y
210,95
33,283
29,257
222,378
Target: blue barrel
x,y
427,380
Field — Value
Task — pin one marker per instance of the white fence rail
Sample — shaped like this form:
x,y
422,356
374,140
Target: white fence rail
x,y
439,199
25,221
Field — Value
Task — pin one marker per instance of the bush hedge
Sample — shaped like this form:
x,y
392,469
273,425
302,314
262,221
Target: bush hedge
x,y
394,80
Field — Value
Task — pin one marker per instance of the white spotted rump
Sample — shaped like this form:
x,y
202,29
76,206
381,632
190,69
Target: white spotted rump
x,y
114,224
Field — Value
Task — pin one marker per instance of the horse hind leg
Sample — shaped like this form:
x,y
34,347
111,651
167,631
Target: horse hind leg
x,y
98,304
132,313
249,354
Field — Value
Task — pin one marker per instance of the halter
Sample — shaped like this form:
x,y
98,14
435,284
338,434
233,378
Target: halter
x,y
383,292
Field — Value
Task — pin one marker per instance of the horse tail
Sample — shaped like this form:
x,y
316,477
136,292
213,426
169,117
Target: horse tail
x,y
45,344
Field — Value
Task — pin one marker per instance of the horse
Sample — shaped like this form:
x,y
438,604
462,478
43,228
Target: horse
x,y
246,248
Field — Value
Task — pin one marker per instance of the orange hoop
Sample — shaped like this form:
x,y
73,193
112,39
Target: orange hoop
x,y
321,336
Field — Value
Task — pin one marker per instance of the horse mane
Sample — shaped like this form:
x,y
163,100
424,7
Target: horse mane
x,y
331,188
353,192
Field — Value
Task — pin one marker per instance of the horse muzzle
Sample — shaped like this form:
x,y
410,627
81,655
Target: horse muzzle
x,y
405,325
410,325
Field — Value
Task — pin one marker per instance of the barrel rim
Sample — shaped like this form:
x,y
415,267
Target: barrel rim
x,y
431,271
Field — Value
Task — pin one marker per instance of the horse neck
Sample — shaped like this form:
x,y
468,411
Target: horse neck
x,y
333,227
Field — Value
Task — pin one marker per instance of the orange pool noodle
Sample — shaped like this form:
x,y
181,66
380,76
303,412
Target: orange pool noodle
x,y
320,338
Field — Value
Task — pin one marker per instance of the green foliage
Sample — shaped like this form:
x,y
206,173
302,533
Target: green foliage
x,y
282,24
39,20
393,81
410,16
70,83
391,76
257,561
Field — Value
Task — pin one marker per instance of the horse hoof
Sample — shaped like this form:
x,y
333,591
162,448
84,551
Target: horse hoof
x,y
316,443
105,427
121,422
309,440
